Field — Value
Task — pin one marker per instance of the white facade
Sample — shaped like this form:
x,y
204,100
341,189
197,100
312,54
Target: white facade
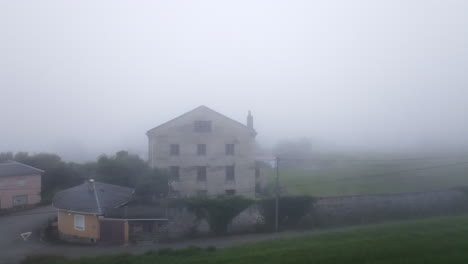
x,y
205,153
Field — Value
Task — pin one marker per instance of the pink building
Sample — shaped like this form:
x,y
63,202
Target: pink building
x,y
20,185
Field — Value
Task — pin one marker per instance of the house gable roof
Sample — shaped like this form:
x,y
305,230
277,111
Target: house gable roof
x,y
13,168
95,200
202,107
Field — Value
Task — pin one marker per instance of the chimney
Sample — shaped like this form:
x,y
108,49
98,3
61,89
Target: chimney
x,y
91,185
250,121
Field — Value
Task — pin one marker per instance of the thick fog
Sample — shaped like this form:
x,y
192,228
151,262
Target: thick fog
x,y
81,78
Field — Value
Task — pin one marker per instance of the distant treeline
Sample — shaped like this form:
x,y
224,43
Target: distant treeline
x,y
122,168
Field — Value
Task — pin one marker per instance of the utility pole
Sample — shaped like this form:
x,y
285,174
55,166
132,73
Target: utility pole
x,y
277,195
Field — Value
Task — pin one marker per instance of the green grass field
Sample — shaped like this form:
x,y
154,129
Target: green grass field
x,y
438,240
349,178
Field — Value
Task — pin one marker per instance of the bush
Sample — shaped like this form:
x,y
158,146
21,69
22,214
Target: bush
x,y
218,211
290,208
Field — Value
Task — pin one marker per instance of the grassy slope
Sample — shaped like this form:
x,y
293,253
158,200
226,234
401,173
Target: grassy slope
x,y
373,177
440,240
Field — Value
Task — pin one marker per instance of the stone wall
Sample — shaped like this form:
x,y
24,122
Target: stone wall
x,y
246,221
182,224
335,211
361,209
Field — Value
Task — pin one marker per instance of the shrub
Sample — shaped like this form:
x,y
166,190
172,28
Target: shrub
x,y
218,211
290,208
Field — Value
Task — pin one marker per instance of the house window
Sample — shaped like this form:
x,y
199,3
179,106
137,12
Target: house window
x,y
202,126
175,149
230,175
20,200
174,173
202,192
231,192
80,222
201,149
201,173
230,149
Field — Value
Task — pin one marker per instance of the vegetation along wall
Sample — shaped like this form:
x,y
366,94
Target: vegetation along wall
x,y
362,209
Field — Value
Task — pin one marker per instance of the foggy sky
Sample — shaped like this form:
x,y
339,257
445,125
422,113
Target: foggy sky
x,y
87,77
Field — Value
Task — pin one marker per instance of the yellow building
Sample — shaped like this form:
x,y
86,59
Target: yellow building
x,y
96,212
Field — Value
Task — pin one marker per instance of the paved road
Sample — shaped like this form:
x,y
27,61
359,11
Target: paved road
x,y
12,245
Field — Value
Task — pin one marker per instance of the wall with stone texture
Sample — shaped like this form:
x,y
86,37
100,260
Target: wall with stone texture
x,y
246,221
361,209
335,211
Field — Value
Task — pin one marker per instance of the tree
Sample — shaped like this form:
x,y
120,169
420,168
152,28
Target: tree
x,y
121,169
152,185
218,211
130,170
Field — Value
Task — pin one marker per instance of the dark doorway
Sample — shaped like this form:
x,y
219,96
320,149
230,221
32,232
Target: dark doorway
x,y
112,232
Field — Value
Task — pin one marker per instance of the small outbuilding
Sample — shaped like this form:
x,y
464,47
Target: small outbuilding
x,y
100,212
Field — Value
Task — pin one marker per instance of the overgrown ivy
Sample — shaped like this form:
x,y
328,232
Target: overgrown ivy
x,y
219,211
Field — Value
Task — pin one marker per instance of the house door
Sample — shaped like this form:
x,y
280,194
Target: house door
x,y
112,232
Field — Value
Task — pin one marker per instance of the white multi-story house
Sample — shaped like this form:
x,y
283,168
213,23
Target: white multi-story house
x,y
206,153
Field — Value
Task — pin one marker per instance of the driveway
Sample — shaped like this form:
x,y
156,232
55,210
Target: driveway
x,y
12,245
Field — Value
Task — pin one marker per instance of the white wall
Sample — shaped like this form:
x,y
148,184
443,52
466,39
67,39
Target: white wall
x,y
224,131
